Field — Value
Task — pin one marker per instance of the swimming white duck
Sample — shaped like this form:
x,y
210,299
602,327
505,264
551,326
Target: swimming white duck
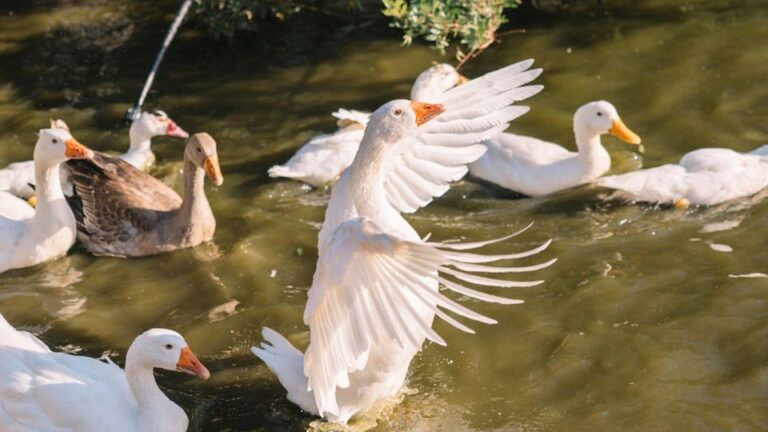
x,y
534,167
375,293
706,177
19,178
321,160
41,390
30,238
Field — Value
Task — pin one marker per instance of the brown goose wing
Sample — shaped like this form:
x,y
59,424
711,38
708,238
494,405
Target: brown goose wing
x,y
115,202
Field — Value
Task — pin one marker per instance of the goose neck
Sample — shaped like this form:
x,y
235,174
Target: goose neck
x,y
154,406
48,189
366,183
140,141
194,201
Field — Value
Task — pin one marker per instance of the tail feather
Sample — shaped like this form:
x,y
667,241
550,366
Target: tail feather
x,y
287,362
9,336
283,171
625,183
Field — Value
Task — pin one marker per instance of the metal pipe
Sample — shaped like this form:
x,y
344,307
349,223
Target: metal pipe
x,y
134,111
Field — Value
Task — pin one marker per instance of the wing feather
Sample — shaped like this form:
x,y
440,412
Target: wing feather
x,y
444,146
373,288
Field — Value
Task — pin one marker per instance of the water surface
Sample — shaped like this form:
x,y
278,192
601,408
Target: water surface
x,y
652,319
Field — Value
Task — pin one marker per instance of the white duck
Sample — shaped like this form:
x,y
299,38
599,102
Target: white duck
x,y
703,177
29,238
41,390
321,160
19,178
533,167
375,293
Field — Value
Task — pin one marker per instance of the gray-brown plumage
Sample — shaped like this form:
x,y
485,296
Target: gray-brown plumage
x,y
122,211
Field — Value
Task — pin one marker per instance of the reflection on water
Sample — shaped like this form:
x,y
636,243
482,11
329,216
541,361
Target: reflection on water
x,y
642,324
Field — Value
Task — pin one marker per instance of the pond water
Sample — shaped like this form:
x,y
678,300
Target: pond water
x,y
652,319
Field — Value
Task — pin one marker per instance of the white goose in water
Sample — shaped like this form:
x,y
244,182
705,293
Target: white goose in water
x,y
29,237
322,159
534,167
703,177
41,390
19,178
375,291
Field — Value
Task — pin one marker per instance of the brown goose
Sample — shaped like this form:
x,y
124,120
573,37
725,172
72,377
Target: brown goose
x,y
122,211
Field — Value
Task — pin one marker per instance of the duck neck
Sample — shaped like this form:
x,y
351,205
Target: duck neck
x,y
140,141
153,404
139,152
50,202
366,183
194,207
594,160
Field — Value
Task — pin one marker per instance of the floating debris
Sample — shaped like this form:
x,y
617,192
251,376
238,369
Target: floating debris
x,y
720,247
748,275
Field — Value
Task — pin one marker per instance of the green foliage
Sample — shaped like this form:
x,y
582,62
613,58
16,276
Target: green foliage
x,y
472,22
225,17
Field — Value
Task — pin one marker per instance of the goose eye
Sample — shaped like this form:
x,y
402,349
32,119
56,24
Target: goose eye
x,y
199,150
398,112
599,114
168,346
54,140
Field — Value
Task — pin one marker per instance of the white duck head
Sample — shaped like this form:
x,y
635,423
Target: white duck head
x,y
387,125
150,124
399,118
55,146
435,81
164,349
598,118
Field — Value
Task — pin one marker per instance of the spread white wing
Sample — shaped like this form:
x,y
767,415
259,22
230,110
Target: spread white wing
x,y
371,288
422,167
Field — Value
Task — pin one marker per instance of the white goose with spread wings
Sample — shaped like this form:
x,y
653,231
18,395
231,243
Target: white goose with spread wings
x,y
375,291
323,158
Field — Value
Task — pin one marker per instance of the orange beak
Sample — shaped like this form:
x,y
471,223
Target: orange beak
x,y
622,132
425,111
189,364
75,150
212,168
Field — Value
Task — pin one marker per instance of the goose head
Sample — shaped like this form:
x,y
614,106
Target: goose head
x,y
400,118
165,349
435,81
201,150
156,123
600,117
55,146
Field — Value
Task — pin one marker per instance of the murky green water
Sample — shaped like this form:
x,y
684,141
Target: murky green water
x,y
642,324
